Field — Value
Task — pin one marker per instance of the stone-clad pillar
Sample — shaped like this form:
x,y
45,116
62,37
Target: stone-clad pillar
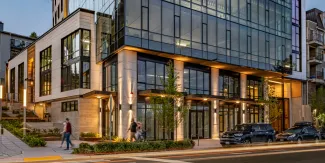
x,y
214,104
243,88
127,90
179,70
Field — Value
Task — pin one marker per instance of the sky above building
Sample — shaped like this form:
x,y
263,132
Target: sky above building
x,y
27,16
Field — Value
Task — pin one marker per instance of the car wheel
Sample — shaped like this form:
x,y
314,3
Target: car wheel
x,y
299,140
247,142
269,140
316,139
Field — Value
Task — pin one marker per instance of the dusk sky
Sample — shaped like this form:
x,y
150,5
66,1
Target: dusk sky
x,y
26,16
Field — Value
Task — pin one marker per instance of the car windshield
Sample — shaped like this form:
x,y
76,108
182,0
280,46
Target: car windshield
x,y
294,130
242,127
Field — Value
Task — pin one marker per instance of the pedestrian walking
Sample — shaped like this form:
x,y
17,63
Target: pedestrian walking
x,y
63,134
133,129
68,132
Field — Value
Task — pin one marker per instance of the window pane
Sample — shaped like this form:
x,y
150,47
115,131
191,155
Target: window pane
x,y
150,73
133,13
155,16
243,39
168,19
185,23
242,9
234,36
221,33
234,8
254,11
212,30
196,26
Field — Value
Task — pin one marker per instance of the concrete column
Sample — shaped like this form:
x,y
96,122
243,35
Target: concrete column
x,y
243,87
127,90
214,104
179,71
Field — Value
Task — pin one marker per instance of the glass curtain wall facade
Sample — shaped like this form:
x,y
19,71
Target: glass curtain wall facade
x,y
76,61
253,33
296,39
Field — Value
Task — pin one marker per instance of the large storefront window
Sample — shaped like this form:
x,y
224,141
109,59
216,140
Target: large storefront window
x,y
75,71
296,37
21,80
146,116
151,74
254,88
45,71
196,81
229,116
110,76
255,113
229,84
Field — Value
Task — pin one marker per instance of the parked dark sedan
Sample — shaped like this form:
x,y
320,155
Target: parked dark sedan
x,y
299,133
247,134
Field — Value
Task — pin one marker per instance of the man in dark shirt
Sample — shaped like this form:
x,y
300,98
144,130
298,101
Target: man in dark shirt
x,y
68,133
133,128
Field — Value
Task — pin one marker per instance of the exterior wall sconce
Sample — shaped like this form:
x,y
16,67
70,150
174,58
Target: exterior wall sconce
x,y
130,106
244,111
119,106
215,110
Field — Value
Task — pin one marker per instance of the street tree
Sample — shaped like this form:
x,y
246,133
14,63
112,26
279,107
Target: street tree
x,y
270,100
169,108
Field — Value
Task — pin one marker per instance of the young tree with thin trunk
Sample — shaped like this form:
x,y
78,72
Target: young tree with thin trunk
x,y
169,108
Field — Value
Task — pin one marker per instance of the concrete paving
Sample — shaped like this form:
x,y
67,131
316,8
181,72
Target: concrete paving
x,y
16,151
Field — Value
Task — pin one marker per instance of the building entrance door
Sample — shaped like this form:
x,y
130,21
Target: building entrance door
x,y
199,121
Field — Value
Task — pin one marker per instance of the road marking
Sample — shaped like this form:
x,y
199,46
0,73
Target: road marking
x,y
240,153
252,155
156,160
45,158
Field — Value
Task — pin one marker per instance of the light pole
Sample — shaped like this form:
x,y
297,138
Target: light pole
x,y
24,105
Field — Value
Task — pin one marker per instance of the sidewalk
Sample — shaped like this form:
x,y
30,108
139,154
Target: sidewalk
x,y
52,151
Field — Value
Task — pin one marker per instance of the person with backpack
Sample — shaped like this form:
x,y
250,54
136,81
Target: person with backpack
x,y
133,129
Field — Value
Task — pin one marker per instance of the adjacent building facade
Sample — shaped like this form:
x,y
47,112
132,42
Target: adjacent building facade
x,y
100,68
11,44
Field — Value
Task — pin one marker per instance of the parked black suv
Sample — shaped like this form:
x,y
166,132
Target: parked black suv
x,y
248,133
299,132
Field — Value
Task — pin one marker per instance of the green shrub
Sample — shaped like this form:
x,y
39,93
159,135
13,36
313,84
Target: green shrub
x,y
88,135
15,127
5,108
116,147
34,141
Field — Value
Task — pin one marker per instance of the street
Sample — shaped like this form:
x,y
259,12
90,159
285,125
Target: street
x,y
303,154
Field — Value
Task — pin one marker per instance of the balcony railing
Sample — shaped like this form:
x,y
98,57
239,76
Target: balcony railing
x,y
316,37
317,56
316,75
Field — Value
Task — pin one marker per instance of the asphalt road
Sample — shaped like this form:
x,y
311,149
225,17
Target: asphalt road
x,y
312,154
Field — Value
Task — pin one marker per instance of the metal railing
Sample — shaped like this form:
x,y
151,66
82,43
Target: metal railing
x,y
315,36
317,56
316,75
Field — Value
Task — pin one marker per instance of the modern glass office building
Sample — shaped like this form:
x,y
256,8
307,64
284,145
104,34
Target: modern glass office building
x,y
225,52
